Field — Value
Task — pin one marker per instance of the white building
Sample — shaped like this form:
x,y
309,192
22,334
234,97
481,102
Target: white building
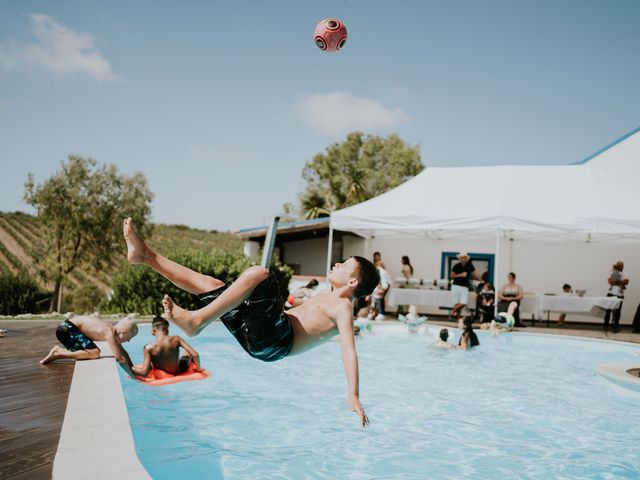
x,y
549,224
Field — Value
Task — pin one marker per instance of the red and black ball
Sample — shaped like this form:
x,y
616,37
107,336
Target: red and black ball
x,y
330,34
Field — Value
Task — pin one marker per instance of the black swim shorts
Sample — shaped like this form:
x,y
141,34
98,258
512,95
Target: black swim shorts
x,y
72,338
259,323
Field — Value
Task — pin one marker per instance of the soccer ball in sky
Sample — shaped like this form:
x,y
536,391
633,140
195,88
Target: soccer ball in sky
x,y
330,34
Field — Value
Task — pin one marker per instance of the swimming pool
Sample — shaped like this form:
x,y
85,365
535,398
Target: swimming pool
x,y
519,406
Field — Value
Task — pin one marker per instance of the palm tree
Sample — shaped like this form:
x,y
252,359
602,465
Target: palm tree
x,y
356,188
314,205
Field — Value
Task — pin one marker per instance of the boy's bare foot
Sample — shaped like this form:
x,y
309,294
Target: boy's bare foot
x,y
136,248
178,315
50,356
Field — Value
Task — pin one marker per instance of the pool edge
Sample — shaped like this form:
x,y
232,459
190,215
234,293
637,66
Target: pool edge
x,y
619,374
96,440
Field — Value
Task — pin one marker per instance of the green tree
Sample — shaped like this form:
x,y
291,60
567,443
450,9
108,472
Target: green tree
x,y
81,208
360,168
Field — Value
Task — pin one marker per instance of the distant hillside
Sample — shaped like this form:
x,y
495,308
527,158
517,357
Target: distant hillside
x,y
19,230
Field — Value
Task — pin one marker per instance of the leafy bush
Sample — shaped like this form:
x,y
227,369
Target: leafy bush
x,y
138,288
20,294
86,299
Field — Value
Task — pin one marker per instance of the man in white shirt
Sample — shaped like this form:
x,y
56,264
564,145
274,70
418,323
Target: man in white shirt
x,y
617,285
376,311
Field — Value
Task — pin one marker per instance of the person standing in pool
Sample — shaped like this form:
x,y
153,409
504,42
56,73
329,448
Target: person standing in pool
x,y
252,308
468,339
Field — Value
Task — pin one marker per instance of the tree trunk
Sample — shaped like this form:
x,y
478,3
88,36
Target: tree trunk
x,y
55,297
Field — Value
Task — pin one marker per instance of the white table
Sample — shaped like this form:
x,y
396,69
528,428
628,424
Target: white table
x,y
575,304
425,297
592,306
531,304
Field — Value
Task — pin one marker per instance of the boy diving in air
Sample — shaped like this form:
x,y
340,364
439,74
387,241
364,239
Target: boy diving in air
x,y
252,308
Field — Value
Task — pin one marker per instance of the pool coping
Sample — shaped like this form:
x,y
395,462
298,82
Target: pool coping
x,y
96,440
619,374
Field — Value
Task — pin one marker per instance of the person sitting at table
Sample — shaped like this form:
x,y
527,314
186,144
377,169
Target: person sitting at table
x,y
511,292
566,290
486,302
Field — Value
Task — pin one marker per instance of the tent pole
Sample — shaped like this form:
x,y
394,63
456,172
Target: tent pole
x,y
496,273
329,250
269,243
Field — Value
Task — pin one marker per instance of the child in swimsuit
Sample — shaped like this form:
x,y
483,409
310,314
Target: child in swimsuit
x,y
78,337
164,353
252,308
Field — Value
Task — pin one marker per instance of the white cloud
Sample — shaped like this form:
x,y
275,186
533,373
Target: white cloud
x,y
57,49
341,112
203,155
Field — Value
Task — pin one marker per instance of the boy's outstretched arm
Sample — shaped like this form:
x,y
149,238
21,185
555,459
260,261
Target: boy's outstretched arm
x,y
344,320
195,358
120,354
145,368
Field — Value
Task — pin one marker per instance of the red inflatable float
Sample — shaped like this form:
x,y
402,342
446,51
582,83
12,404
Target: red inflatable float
x,y
158,378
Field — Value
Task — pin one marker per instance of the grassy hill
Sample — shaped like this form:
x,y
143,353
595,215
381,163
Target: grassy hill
x,y
18,231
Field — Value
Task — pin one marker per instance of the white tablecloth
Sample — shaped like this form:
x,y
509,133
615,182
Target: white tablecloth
x,y
531,305
575,304
423,296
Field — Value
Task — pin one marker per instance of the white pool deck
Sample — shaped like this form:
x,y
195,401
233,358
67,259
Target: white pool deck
x,y
97,443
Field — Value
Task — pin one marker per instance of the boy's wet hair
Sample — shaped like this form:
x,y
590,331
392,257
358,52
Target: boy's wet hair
x,y
367,275
159,322
444,334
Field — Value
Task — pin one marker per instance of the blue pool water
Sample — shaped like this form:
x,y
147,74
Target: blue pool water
x,y
519,406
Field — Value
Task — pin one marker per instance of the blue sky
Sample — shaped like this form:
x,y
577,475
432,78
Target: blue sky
x,y
220,104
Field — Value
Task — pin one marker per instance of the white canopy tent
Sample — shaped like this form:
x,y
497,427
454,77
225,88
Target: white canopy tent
x,y
572,200
581,202
620,160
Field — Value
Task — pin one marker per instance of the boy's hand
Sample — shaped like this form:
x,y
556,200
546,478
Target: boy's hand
x,y
356,406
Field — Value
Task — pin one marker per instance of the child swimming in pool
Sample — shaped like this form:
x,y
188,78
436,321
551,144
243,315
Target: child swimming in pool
x,y
164,353
443,341
252,308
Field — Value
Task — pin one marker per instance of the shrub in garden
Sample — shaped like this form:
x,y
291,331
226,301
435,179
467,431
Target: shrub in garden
x,y
20,295
86,299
